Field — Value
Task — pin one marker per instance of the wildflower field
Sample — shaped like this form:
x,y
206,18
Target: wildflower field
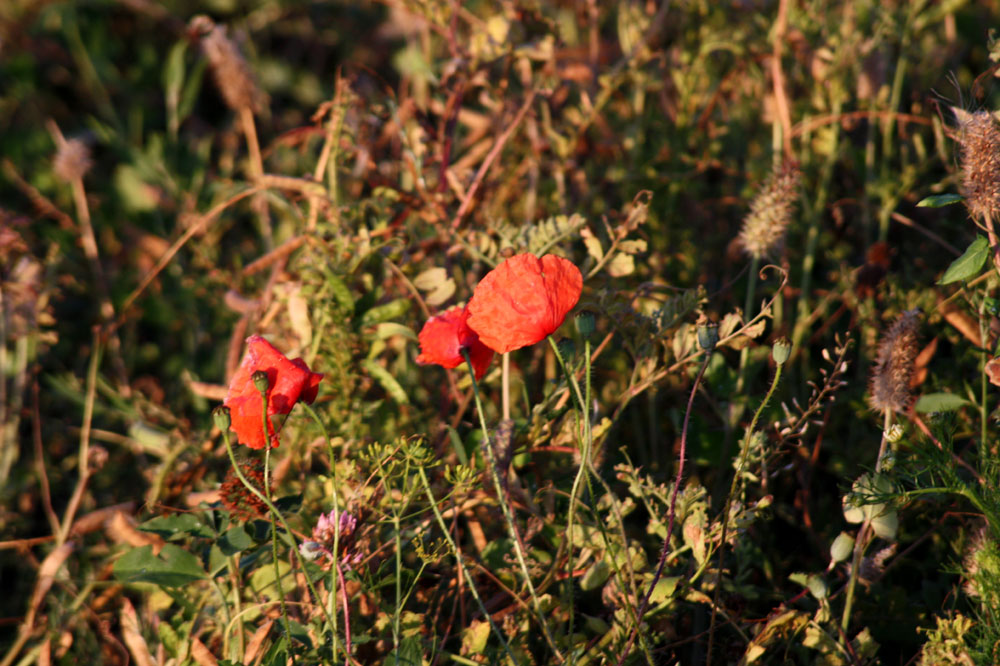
x,y
426,332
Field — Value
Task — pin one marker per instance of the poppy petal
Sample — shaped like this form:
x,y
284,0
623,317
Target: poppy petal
x,y
445,335
523,300
289,381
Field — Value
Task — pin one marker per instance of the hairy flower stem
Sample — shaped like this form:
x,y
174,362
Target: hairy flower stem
x,y
744,453
664,551
864,535
505,386
585,472
461,565
581,472
332,600
511,526
274,525
344,603
275,514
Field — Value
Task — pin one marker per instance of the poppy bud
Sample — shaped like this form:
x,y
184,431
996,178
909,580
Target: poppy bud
x,y
566,349
222,418
781,350
260,381
585,324
708,335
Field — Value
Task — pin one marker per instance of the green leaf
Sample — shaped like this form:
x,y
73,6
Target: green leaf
x,y
457,445
940,402
234,541
387,381
380,313
176,526
408,654
968,264
596,575
939,200
174,567
288,503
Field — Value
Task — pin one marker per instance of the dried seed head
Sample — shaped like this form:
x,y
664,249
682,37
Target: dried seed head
x,y
232,73
979,140
763,233
72,160
890,385
241,503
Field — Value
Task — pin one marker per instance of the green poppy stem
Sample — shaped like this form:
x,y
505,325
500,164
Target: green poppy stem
x,y
511,527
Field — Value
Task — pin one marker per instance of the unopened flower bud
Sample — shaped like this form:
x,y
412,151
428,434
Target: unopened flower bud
x,y
310,550
222,418
781,350
261,381
841,548
708,335
894,434
585,324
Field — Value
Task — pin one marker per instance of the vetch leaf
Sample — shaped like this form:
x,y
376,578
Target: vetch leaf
x,y
939,200
969,263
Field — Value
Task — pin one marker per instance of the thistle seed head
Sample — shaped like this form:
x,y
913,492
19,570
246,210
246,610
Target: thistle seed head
x,y
979,142
763,233
890,385
72,160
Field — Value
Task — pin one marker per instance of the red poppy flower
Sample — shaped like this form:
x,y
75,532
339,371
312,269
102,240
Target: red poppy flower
x,y
289,382
445,335
523,300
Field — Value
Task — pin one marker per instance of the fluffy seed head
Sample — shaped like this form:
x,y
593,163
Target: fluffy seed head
x,y
890,385
763,233
979,141
232,73
72,160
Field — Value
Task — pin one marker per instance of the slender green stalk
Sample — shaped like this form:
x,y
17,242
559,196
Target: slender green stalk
x,y
332,599
664,551
274,512
812,234
984,395
511,527
735,406
586,471
234,572
274,526
581,471
864,534
461,564
747,439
